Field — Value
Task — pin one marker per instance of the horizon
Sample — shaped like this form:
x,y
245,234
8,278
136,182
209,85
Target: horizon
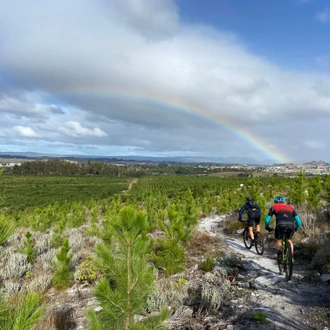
x,y
176,159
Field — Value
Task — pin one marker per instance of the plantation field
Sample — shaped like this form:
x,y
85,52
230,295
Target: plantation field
x,y
173,186
21,192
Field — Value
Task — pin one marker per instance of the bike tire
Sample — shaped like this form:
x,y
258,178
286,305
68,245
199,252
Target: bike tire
x,y
259,243
247,239
289,262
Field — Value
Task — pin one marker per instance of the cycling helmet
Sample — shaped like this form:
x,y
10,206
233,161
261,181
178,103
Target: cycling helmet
x,y
249,199
279,199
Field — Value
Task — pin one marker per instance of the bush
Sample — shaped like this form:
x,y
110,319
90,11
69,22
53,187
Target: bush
x,y
207,264
260,317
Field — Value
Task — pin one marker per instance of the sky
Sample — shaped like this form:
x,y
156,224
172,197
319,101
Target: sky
x,y
166,78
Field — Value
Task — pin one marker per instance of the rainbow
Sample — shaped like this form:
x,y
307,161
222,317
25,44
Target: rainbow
x,y
180,105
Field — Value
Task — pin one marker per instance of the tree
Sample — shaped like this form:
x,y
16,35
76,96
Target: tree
x,y
128,277
298,194
63,275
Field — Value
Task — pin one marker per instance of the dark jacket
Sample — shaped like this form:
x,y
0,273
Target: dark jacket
x,y
246,207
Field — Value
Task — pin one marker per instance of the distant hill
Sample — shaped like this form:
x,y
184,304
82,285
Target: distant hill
x,y
184,160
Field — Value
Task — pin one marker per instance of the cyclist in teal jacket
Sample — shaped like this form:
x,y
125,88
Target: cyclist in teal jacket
x,y
286,217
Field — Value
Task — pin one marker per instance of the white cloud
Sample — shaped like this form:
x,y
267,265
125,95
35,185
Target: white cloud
x,y
322,88
26,104
75,129
152,19
323,16
313,144
25,131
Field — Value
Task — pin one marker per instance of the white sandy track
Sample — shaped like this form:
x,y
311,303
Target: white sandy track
x,y
293,305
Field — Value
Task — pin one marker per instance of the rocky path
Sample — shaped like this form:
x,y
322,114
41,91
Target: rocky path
x,y
300,304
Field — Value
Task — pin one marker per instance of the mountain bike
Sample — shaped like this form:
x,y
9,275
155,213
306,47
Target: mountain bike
x,y
258,239
287,259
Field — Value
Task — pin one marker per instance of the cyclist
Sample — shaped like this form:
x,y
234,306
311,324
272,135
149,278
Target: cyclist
x,y
254,214
286,217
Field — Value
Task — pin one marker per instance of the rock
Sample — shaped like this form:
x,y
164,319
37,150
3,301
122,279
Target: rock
x,y
325,277
98,309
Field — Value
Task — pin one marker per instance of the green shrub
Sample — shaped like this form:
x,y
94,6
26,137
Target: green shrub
x,y
29,248
207,264
260,317
86,272
6,228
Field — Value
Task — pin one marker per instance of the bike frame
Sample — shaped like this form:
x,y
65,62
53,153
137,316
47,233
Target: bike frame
x,y
258,238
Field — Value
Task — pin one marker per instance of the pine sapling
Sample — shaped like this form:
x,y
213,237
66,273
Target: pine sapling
x,y
29,248
63,275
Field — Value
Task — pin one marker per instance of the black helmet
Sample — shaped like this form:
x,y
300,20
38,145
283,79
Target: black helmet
x,y
249,199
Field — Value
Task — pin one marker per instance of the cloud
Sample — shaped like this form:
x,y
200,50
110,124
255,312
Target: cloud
x,y
323,16
131,75
322,89
25,132
75,129
313,144
20,103
152,19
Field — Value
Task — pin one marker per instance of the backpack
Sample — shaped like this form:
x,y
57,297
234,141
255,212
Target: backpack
x,y
253,212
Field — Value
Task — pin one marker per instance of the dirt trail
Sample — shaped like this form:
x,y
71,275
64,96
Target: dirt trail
x,y
298,304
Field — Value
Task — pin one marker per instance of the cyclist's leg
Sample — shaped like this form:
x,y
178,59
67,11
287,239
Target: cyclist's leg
x,y
250,225
289,238
278,243
257,222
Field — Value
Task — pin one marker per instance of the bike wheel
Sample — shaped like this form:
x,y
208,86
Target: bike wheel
x,y
259,243
289,262
247,239
284,259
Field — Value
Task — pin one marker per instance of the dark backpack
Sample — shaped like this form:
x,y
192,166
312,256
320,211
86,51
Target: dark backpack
x,y
253,212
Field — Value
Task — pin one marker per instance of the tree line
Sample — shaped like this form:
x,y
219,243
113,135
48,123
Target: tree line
x,y
61,167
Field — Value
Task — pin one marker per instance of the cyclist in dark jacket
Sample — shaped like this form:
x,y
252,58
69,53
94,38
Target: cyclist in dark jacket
x,y
254,214
286,217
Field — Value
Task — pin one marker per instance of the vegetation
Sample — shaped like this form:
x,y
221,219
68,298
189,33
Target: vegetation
x,y
140,229
63,275
21,312
260,317
29,248
128,278
28,192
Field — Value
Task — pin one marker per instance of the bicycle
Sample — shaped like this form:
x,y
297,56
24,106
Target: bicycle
x,y
258,239
286,264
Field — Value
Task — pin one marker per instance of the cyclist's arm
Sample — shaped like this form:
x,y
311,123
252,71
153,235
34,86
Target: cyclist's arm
x,y
241,211
298,221
267,221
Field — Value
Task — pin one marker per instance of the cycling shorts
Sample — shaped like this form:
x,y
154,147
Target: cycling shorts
x,y
250,222
286,229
